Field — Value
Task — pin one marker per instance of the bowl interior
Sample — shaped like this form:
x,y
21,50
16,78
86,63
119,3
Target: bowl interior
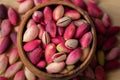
x,y
35,70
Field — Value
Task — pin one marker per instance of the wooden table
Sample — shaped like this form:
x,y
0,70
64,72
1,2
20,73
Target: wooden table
x,y
109,6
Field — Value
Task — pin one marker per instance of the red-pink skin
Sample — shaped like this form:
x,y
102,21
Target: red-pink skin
x,y
44,1
81,30
86,40
47,18
93,1
6,27
113,54
94,10
110,43
100,73
35,55
73,14
100,28
112,31
37,2
106,20
13,37
12,69
13,55
49,52
57,40
20,1
51,28
13,16
41,30
112,65
30,23
80,3
60,31
5,44
94,62
31,45
101,40
37,16
56,15
74,56
90,73
69,31
20,75
3,78
62,45
41,64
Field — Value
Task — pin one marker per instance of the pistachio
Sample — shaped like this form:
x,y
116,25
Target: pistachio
x,y
45,38
63,22
58,57
71,43
74,56
55,67
58,12
62,48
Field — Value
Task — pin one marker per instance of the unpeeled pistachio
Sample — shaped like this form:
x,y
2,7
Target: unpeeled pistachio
x,y
28,74
63,22
31,45
71,43
49,52
73,14
6,27
11,70
27,4
31,33
30,23
86,39
37,2
69,31
13,56
51,28
20,75
55,67
3,63
35,55
37,16
74,56
47,18
81,30
58,12
58,57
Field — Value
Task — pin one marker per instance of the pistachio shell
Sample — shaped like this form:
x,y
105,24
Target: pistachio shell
x,y
62,48
55,67
71,43
58,57
45,38
63,22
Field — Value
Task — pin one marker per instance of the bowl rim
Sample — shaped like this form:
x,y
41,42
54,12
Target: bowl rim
x,y
35,70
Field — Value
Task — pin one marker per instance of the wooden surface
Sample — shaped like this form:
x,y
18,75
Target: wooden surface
x,y
109,6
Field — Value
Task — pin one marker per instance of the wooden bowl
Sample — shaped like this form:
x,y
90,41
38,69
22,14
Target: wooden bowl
x,y
46,75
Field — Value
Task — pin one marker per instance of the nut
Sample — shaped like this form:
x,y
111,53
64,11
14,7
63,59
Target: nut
x,y
63,22
71,43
